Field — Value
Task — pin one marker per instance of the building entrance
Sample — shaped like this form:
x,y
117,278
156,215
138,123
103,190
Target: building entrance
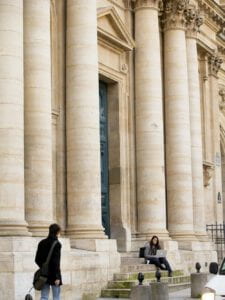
x,y
104,156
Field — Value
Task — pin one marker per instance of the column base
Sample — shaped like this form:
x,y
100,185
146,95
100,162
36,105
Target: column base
x,y
183,236
161,234
39,229
85,232
96,245
202,236
14,228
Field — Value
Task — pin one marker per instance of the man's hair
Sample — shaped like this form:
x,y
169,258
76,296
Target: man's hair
x,y
54,229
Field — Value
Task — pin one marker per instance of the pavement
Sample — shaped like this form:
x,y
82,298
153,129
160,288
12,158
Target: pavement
x,y
181,295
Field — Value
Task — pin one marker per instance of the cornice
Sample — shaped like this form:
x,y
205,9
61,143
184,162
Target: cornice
x,y
213,11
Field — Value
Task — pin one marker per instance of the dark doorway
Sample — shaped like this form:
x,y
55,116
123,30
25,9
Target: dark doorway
x,y
104,156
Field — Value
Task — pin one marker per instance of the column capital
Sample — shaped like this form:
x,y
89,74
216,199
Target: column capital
x,y
215,63
153,4
174,14
194,21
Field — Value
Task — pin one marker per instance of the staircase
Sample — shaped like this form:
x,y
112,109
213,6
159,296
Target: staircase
x,y
131,265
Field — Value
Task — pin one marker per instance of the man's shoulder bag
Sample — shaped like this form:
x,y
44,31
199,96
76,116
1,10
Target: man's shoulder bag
x,y
41,275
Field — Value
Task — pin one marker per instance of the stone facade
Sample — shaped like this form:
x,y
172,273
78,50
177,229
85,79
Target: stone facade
x,y
162,63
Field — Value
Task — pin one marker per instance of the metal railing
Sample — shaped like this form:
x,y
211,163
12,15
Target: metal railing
x,y
217,234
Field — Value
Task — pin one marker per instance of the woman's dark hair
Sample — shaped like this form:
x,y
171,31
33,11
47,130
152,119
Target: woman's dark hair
x,y
151,242
54,229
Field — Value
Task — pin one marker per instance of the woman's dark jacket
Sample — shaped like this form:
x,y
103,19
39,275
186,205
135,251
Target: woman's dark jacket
x,y
151,250
54,264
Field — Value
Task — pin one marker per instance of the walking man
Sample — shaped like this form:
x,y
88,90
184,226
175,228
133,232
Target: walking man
x,y
54,274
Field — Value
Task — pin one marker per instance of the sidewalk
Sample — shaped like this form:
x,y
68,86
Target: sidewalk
x,y
181,295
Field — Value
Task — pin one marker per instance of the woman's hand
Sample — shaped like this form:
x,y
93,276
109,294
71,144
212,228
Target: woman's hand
x,y
57,282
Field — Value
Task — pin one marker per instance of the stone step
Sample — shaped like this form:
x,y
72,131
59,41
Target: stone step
x,y
132,260
137,268
148,275
129,254
119,284
175,284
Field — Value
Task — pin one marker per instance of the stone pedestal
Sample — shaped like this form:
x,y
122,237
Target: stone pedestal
x,y
149,122
12,219
141,292
198,282
83,136
38,121
159,291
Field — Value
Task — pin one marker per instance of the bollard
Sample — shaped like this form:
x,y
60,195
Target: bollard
x,y
198,281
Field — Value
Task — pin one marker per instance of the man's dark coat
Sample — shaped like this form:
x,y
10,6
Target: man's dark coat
x,y
54,264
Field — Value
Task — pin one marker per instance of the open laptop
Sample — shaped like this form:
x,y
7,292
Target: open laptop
x,y
160,253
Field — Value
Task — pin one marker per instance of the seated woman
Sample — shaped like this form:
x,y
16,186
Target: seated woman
x,y
150,251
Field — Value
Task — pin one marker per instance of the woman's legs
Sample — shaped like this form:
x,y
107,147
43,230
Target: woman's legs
x,y
45,292
156,262
164,261
56,292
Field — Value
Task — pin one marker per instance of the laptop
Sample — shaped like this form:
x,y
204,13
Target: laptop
x,y
160,253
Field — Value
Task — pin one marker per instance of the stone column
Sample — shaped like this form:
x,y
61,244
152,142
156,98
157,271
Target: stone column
x,y
83,136
194,22
178,140
215,63
149,121
12,219
38,121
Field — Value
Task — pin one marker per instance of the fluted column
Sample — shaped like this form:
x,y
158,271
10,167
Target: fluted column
x,y
194,21
83,137
215,63
149,121
12,218
38,132
178,140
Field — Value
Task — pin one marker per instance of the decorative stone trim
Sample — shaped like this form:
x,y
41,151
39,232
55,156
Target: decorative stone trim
x,y
128,4
154,4
215,63
214,12
174,14
222,101
194,21
208,169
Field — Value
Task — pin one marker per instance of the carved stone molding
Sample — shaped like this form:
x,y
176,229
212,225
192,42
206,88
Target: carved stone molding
x,y
154,4
194,21
174,14
208,169
215,63
128,4
222,101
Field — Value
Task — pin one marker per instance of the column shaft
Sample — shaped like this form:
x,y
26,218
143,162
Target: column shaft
x,y
195,123
38,122
178,140
83,136
11,119
149,122
215,63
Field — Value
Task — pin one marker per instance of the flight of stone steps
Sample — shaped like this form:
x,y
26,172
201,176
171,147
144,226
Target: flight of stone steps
x,y
131,265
